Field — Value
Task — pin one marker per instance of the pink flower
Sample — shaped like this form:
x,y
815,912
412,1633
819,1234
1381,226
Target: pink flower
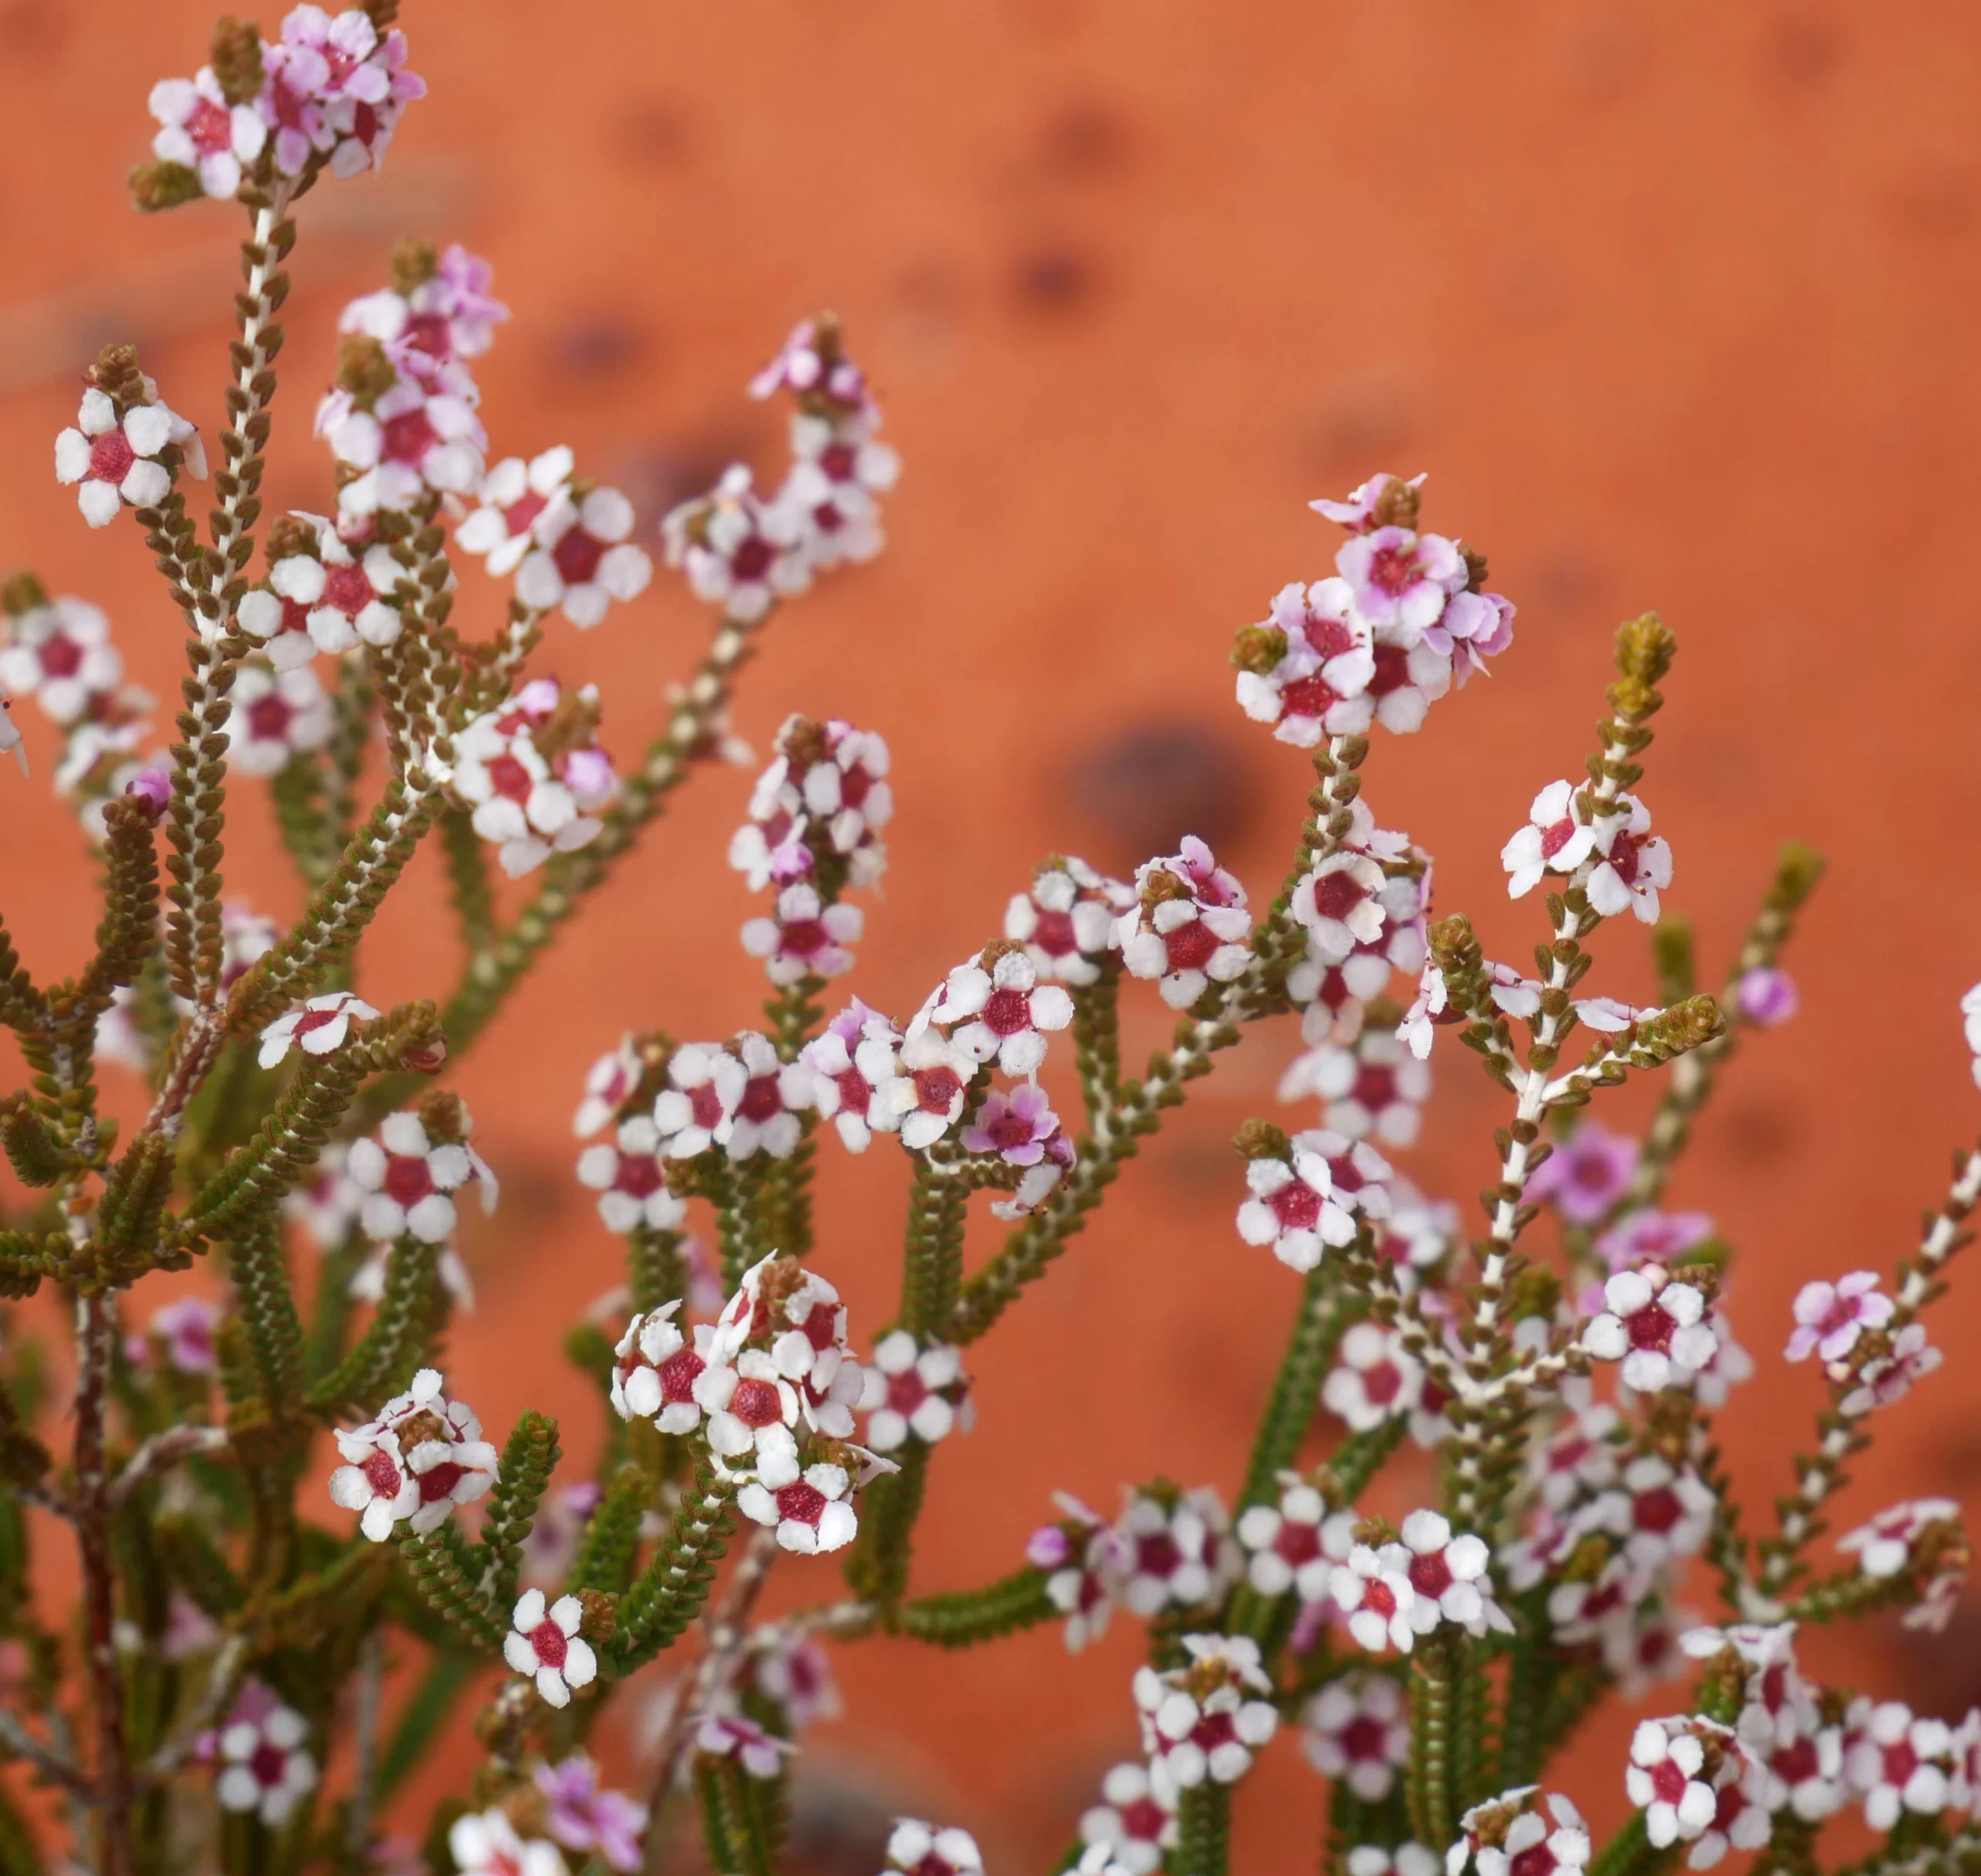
x,y
1586,1174
807,362
583,561
410,1177
184,1329
422,1455
854,1061
113,458
1635,863
1372,1086
1829,1317
1649,1236
199,129
837,471
1356,1732
265,1767
1318,684
738,551
543,1643
1084,1561
1888,1378
797,1674
1679,1768
1400,578
1580,1457
317,1026
327,1204
722,1734
585,1816
515,498
327,600
820,804
1896,1761
1175,1550
1189,927
926,1096
533,774
1766,997
449,314
276,716
1655,1327
1066,921
1016,1127
1475,626
997,1010
1374,1378
804,937
413,438
610,1082
1358,513
1292,1207
630,1176
1131,1820
1555,840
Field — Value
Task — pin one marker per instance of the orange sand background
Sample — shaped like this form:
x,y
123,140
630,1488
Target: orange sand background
x,y
1676,304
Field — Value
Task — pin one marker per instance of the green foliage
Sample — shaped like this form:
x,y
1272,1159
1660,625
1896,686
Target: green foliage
x,y
528,1461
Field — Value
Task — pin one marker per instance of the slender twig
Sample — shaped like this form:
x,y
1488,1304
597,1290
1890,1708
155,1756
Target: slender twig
x,y
17,1741
96,1331
223,1679
162,1451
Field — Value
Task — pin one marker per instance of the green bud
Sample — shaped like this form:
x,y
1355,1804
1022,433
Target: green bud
x,y
1261,1139
156,186
1797,870
364,369
236,58
22,593
1258,648
414,263
1644,649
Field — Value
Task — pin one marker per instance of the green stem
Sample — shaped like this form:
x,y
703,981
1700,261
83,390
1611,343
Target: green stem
x,y
1296,1389
1203,1841
1428,1789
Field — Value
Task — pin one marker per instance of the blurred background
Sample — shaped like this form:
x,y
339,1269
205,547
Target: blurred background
x,y
1675,303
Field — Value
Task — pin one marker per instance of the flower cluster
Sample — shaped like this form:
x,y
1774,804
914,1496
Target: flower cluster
x,y
421,1455
532,776
1206,1721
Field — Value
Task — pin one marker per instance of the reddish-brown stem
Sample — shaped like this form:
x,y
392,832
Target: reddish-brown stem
x,y
96,1330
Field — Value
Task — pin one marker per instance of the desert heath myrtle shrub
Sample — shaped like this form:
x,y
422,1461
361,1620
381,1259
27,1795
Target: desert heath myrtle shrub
x,y
273,1492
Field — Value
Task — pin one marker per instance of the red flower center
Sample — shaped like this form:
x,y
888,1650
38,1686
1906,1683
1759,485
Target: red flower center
x,y
429,333
802,938
1365,1737
1298,1543
110,457
294,616
855,1091
269,1764
705,1105
517,515
1650,1327
1337,894
1156,1555
1378,1595
1556,835
1394,570
1053,933
639,1175
1900,1762
761,1100
853,784
1296,1205
381,1474
408,1179
906,1391
551,1643
268,717
821,1327
678,1374
755,1403
1657,1510
509,778
1190,946
1624,851
1430,1575
1143,1819
439,1480
1007,1012
211,127
1382,1383
937,1090
1536,1859
1308,697
1375,1086
1329,637
347,590
1214,1731
60,656
409,435
1667,1782
1392,670
836,460
752,559
801,1503
577,555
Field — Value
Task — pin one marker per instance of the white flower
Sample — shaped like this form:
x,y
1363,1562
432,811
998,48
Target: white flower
x,y
199,129
1895,1761
1185,944
1357,1732
697,1109
1293,1208
485,1843
609,1085
654,1372
921,1850
530,803
1448,1574
751,1409
264,1768
421,1456
912,1390
275,715
738,551
408,1180
1677,1768
854,1060
1375,1378
585,561
515,498
725,1734
1635,863
1066,921
1293,1545
413,439
1554,840
60,654
765,1119
328,601
1655,1327
1884,1546
317,1026
1377,1598
1198,1723
1002,1013
1340,904
1174,1551
926,1096
115,460
1374,1086
1519,1830
326,1204
804,937
1132,1823
544,1643
810,1513
630,1176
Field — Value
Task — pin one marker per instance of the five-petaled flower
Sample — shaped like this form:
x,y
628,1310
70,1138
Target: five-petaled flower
x,y
543,1642
1294,1543
913,1391
1655,1326
410,1174
629,1174
316,1026
115,460
1555,840
1189,926
1206,1721
803,936
1633,864
995,1008
265,1767
1356,1731
1829,1317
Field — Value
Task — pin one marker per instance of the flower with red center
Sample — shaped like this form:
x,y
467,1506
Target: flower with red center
x,y
1132,1822
1829,1317
853,1061
655,1370
113,460
438,309
1305,668
1895,1761
423,1454
1417,1235
1204,1721
1293,1206
515,498
1449,1575
264,1768
322,597
583,561
200,131
485,1843
1358,513
724,1733
796,1672
1634,864
1357,1733
751,1409
1520,1833
1340,903
1888,1544
996,1009
630,1176
926,1096
60,654
821,803
359,117
772,1090
1066,921
276,716
914,1392
1586,1174
610,1083
1400,579
408,1178
316,1026
1679,1768
804,937
533,775
1018,1127
1372,1087
1175,1549
1084,1561
1408,681
697,1108
1555,840
1189,927
921,1850
1580,1456
1295,1544
739,551
1376,1597
1374,1378
397,446
584,1815
837,471
812,1514
543,1643
1654,1326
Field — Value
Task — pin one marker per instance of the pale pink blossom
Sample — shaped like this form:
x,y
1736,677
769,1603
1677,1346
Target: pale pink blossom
x,y
1634,865
1585,1174
854,1061
200,131
1829,1317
